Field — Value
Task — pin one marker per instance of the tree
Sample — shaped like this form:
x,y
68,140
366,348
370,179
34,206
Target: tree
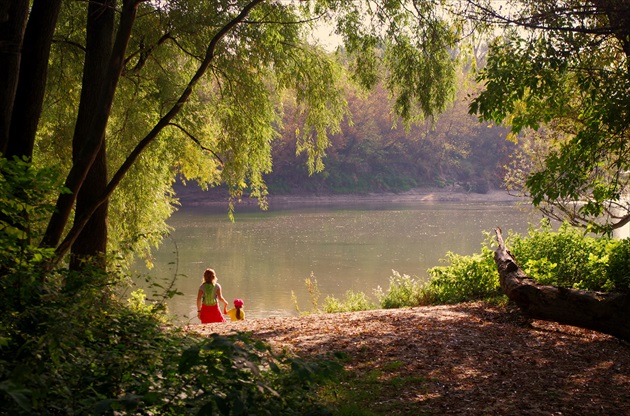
x,y
563,75
13,16
370,155
192,88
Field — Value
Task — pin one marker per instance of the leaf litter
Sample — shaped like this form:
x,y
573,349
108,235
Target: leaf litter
x,y
473,359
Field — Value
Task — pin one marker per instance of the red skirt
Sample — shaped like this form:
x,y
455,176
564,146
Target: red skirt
x,y
210,314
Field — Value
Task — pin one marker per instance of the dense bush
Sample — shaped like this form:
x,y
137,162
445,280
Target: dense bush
x,y
466,278
619,266
566,257
85,352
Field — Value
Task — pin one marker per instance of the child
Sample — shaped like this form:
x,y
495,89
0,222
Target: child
x,y
236,313
208,298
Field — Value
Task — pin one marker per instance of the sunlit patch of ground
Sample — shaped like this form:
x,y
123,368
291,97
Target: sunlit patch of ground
x,y
460,360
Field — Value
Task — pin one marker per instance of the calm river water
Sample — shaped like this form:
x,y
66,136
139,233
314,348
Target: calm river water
x,y
265,256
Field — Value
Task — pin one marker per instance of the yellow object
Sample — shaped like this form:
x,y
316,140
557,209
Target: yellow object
x,y
232,314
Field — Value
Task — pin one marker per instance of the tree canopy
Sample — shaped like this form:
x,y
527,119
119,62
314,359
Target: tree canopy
x,y
560,74
122,96
369,154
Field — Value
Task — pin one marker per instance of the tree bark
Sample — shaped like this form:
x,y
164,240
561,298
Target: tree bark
x,y
91,243
96,130
13,15
31,87
603,312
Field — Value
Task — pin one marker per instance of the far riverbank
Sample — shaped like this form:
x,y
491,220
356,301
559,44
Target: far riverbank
x,y
192,196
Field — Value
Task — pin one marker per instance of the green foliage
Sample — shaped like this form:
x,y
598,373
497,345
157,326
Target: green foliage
x,y
565,257
73,344
571,86
79,350
25,195
403,290
619,266
25,202
466,278
137,303
352,302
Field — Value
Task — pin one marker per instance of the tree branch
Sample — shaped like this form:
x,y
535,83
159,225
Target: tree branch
x,y
144,54
194,139
487,14
79,223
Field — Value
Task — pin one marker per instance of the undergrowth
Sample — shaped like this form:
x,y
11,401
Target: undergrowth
x,y
69,345
86,352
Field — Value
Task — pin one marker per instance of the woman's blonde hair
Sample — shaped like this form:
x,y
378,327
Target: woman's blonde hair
x,y
209,276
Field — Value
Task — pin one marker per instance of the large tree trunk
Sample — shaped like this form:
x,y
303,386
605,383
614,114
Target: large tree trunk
x,y
33,74
608,313
93,141
13,15
91,243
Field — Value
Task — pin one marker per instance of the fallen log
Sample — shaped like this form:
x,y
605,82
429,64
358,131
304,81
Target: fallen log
x,y
608,313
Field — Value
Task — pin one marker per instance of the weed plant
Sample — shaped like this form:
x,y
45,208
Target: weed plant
x,y
352,302
403,290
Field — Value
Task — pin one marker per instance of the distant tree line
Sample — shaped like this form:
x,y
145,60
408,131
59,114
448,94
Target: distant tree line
x,y
375,152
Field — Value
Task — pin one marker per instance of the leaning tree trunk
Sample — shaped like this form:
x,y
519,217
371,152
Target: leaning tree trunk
x,y
31,86
608,313
13,17
91,243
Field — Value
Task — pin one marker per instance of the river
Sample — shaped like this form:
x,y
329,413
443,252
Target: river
x,y
264,257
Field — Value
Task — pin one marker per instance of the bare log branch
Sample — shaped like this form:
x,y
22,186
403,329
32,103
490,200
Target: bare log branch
x,y
603,312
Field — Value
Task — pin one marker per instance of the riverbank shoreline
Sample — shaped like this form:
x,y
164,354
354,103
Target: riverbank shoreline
x,y
192,196
464,359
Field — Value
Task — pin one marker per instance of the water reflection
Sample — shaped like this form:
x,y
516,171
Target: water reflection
x,y
264,257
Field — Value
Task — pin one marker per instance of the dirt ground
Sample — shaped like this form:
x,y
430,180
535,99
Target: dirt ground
x,y
473,359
